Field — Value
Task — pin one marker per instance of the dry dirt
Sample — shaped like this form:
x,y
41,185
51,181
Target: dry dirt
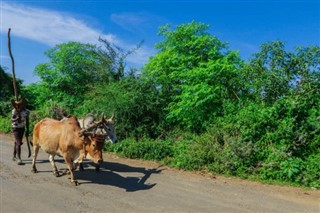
x,y
126,185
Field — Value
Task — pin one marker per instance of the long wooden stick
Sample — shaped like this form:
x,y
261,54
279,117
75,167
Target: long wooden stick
x,y
13,73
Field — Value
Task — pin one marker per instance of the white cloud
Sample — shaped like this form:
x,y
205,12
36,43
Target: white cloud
x,y
53,27
46,26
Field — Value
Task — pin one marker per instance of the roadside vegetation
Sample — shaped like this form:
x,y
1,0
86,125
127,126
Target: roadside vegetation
x,y
195,105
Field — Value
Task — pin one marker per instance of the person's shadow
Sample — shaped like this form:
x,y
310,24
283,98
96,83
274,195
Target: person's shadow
x,y
109,175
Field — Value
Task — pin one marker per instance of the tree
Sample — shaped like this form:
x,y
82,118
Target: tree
x,y
112,58
195,73
68,75
74,67
274,72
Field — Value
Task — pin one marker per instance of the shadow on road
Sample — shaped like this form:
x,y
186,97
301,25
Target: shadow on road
x,y
109,175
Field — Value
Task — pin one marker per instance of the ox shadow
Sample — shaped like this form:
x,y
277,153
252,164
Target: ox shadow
x,y
59,162
116,174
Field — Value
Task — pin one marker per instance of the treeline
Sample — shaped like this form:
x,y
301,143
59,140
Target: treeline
x,y
195,104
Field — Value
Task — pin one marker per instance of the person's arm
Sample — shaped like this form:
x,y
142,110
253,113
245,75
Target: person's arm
x,y
15,116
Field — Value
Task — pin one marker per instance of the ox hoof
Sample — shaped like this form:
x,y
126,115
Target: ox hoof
x,y
34,171
56,174
75,182
65,172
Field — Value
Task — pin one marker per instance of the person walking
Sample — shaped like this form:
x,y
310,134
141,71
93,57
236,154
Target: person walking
x,y
20,125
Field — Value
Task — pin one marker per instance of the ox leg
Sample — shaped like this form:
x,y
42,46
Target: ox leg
x,y
75,165
54,167
79,161
34,158
71,169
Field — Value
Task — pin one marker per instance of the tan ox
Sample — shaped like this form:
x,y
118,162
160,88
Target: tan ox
x,y
67,140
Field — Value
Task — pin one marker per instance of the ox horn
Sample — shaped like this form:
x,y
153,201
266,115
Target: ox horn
x,y
103,118
112,116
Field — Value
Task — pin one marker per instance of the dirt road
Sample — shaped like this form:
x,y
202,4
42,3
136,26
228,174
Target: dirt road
x,y
126,185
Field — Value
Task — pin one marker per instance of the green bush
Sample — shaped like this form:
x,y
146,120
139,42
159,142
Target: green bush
x,y
311,174
144,149
5,124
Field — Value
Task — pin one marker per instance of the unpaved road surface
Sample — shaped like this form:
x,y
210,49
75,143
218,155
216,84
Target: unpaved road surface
x,y
126,185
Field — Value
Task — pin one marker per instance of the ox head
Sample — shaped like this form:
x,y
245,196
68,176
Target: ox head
x,y
93,146
108,129
103,127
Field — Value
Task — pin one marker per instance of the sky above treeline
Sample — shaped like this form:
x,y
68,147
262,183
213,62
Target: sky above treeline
x,y
39,25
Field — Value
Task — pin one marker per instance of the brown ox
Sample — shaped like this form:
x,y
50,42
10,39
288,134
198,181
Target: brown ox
x,y
67,140
104,128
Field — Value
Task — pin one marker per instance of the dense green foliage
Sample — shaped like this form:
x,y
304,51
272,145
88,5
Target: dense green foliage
x,y
186,70
195,105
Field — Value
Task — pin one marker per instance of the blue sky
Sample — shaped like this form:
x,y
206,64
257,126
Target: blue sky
x,y
38,25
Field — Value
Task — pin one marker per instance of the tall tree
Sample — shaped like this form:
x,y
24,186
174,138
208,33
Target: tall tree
x,y
195,73
69,73
275,72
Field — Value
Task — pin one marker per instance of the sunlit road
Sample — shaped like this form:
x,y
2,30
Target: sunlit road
x,y
125,185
